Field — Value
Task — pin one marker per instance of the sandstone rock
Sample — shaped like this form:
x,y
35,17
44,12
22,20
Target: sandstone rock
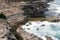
x,y
5,31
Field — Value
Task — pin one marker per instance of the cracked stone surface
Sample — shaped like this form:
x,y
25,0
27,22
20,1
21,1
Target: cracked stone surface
x,y
5,33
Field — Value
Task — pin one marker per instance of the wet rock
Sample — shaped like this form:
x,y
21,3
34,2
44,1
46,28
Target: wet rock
x,y
29,23
43,25
57,20
49,38
28,28
37,29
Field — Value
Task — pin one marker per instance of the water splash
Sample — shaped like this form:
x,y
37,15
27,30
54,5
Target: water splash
x,y
42,29
53,9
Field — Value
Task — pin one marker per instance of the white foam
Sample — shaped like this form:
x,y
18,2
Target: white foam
x,y
42,29
54,9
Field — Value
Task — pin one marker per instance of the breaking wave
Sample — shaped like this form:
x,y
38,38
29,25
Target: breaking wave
x,y
53,9
43,29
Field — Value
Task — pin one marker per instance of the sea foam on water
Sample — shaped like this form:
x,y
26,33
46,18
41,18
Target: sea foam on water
x,y
43,29
53,9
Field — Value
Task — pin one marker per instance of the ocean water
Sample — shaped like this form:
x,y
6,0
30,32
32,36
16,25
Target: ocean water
x,y
53,9
43,29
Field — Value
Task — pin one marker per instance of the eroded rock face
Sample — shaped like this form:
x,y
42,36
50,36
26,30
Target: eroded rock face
x,y
5,31
16,19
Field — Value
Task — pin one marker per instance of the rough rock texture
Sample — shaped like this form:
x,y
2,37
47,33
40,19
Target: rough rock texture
x,y
49,38
5,31
27,36
16,19
9,10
